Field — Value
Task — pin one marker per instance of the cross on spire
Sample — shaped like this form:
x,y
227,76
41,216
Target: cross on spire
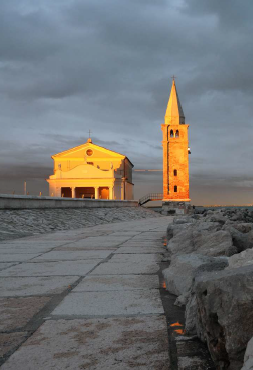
x,y
173,78
90,132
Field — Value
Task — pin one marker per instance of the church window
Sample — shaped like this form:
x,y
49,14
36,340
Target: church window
x,y
171,133
175,189
175,172
89,152
177,134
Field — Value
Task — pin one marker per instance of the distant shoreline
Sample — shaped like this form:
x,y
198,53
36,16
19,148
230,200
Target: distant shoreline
x,y
212,206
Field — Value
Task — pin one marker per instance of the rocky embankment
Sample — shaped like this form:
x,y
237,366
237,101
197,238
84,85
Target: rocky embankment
x,y
211,273
25,222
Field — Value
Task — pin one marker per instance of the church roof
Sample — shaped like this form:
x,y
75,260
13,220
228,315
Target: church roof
x,y
174,112
89,144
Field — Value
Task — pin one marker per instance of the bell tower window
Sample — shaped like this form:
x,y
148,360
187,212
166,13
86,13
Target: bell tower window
x,y
177,134
171,133
175,172
175,189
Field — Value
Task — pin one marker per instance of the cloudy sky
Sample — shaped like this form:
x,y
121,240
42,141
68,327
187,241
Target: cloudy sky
x,y
67,66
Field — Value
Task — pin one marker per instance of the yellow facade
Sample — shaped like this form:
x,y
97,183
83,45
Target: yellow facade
x,y
91,171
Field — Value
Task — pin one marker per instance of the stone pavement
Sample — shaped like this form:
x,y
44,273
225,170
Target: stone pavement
x,y
92,298
84,299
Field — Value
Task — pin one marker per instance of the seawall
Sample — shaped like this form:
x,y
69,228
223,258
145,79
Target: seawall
x,y
42,202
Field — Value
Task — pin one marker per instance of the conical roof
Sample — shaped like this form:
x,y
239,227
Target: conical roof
x,y
174,112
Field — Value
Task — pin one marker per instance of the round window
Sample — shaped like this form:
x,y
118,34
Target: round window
x,y
89,152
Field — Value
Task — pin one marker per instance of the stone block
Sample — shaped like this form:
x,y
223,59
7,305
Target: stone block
x,y
110,303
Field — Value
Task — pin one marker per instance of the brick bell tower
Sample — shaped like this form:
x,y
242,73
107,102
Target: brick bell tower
x,y
175,154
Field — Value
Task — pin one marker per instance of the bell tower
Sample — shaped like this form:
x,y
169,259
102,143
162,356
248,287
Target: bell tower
x,y
175,151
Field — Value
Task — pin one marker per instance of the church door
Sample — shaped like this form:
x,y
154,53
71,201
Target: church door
x,y
104,193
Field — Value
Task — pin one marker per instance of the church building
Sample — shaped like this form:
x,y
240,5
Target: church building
x,y
91,171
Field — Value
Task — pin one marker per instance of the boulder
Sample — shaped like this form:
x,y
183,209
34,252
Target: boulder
x,y
183,220
202,241
218,243
243,227
184,268
248,357
191,315
244,258
216,217
241,241
224,314
174,229
181,242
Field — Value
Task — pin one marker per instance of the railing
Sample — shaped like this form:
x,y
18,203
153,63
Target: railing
x,y
150,197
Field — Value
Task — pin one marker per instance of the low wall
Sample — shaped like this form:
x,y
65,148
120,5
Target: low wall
x,y
32,201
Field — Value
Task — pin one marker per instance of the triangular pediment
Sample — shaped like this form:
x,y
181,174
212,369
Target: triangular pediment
x,y
83,150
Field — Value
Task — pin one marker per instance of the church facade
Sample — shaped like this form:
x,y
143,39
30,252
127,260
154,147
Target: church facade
x,y
91,171
175,151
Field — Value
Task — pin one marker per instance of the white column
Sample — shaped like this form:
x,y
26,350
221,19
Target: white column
x,y
111,193
96,193
73,192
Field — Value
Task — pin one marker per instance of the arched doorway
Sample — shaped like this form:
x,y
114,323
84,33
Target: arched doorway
x,y
104,193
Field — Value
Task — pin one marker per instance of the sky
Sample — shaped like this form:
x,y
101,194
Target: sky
x,y
67,66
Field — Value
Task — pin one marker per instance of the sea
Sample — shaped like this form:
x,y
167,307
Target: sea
x,y
158,209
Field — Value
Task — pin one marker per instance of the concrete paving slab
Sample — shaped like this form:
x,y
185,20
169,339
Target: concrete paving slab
x,y
95,344
32,243
9,342
5,265
125,233
18,257
34,286
140,250
110,303
63,268
125,268
15,313
102,241
117,282
13,249
136,258
141,243
73,255
75,247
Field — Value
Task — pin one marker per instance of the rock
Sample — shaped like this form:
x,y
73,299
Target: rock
x,y
183,220
181,243
181,300
241,241
174,229
243,227
224,316
248,357
182,270
207,226
202,241
191,314
214,244
244,258
216,217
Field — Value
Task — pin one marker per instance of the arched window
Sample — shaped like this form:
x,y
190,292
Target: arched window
x,y
175,172
177,134
171,133
175,189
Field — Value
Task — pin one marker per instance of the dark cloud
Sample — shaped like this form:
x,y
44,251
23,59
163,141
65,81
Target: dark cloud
x,y
70,66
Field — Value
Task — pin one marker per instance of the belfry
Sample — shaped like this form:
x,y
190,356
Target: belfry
x,y
175,152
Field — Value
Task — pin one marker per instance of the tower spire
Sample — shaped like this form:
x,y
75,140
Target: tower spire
x,y
174,112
